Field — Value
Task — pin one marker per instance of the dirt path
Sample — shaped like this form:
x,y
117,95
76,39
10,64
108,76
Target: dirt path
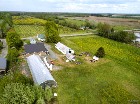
x,y
68,35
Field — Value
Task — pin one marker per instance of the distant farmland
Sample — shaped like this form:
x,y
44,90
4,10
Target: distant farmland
x,y
131,23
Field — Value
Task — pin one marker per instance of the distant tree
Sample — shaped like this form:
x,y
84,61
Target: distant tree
x,y
100,52
13,39
123,36
52,34
104,30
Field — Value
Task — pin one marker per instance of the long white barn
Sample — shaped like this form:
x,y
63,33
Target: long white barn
x,y
40,72
63,48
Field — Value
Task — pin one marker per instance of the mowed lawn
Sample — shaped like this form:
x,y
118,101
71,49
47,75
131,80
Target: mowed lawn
x,y
114,79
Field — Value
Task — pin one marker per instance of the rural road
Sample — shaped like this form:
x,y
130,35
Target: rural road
x,y
5,48
63,35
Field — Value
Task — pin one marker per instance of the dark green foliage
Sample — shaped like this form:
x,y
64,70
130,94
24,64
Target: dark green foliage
x,y
106,31
17,93
52,34
12,55
13,40
1,45
19,89
48,94
15,77
5,24
40,101
100,52
123,36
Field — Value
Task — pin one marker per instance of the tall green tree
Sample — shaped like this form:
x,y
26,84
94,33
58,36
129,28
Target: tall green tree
x,y
52,34
13,39
104,29
5,24
12,55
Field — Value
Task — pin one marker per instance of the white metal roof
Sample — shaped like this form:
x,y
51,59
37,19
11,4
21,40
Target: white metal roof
x,y
70,56
62,48
39,71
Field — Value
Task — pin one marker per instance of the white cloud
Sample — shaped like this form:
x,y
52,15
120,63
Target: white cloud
x,y
88,6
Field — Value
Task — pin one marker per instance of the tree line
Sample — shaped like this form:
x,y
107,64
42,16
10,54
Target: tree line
x,y
105,30
5,23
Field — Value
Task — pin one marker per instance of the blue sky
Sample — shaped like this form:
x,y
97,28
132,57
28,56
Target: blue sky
x,y
82,6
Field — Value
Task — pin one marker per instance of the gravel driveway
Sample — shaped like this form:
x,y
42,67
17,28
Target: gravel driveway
x,y
52,54
5,48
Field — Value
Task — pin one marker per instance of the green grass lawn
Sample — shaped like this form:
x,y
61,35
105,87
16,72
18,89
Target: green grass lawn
x,y
114,79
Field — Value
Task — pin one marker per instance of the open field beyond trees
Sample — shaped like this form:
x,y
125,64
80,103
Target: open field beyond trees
x,y
113,79
128,23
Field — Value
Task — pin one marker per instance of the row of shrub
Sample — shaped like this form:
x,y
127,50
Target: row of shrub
x,y
105,30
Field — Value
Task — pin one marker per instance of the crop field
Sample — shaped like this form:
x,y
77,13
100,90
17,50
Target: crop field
x,y
33,30
29,30
77,22
114,79
26,20
130,23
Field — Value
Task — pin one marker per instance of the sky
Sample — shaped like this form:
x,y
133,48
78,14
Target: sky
x,y
77,6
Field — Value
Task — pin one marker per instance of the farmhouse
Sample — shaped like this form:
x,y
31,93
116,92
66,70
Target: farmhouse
x,y
32,41
63,48
41,37
3,64
37,48
40,72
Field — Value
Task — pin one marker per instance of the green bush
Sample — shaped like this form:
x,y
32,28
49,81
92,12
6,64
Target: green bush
x,y
100,52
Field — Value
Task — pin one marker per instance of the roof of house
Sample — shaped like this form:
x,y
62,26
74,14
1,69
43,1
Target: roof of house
x,y
32,41
41,36
3,63
62,48
39,71
38,47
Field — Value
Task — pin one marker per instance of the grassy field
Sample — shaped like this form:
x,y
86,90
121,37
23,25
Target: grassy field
x,y
77,22
33,30
114,79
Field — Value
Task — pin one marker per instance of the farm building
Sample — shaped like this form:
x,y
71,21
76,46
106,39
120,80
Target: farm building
x,y
70,57
32,41
41,37
64,49
3,64
37,48
40,72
